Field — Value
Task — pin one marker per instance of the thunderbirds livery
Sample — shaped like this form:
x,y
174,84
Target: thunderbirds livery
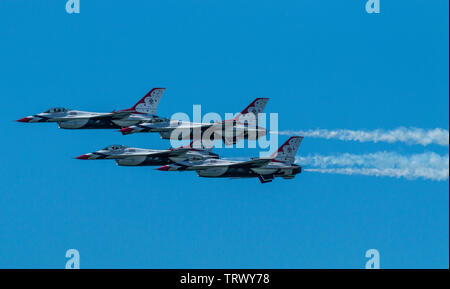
x,y
142,118
243,126
143,111
279,164
129,156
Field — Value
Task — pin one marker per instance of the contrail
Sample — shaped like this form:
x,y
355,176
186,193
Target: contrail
x,y
411,135
429,165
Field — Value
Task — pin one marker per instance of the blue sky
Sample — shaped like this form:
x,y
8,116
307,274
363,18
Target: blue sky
x,y
324,64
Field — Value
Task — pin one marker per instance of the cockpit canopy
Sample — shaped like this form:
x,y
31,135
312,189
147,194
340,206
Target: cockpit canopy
x,y
56,110
114,147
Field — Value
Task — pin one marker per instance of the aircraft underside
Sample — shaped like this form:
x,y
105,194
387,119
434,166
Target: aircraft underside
x,y
95,124
144,161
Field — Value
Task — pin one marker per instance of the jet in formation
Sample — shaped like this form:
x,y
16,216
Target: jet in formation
x,y
130,156
142,118
143,111
243,126
280,164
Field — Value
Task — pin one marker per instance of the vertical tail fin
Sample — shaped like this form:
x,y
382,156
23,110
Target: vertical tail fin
x,y
149,103
286,152
257,106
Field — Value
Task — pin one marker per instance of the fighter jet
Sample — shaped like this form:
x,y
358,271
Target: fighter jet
x,y
279,164
142,111
243,126
129,156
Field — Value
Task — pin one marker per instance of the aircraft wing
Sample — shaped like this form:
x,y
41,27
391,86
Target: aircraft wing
x,y
253,163
156,153
120,114
162,153
201,126
112,115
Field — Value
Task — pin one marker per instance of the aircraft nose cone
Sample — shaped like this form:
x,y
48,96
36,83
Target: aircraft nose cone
x,y
163,168
126,130
83,157
25,119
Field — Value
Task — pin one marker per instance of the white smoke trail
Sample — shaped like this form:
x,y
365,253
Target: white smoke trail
x,y
429,165
406,135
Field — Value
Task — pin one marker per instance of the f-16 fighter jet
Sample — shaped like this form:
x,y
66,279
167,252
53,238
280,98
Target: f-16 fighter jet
x,y
142,111
243,126
129,156
279,164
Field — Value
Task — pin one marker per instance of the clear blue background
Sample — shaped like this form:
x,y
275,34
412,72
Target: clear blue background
x,y
324,64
